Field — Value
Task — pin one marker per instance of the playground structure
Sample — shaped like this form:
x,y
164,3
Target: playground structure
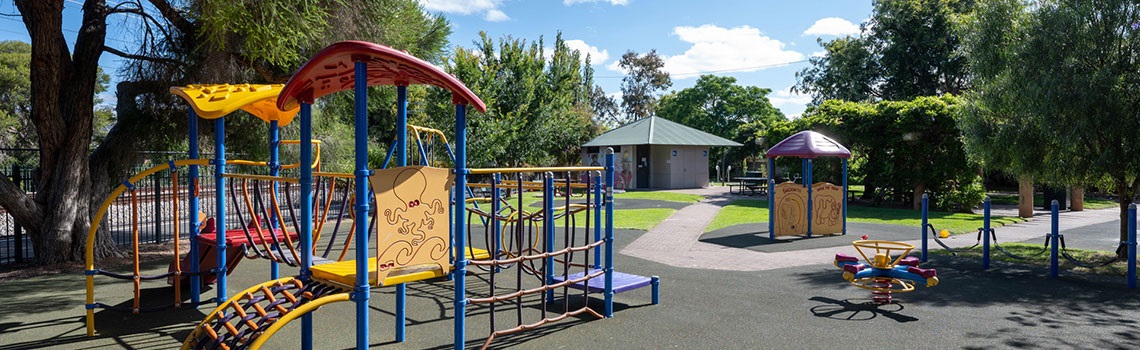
x,y
884,273
211,102
808,208
1054,242
412,206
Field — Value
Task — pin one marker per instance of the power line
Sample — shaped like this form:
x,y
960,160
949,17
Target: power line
x,y
64,29
10,18
16,32
740,69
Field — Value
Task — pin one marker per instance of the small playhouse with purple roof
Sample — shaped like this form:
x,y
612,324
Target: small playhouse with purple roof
x,y
790,212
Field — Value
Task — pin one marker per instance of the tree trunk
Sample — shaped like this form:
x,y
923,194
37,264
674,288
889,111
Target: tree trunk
x,y
1025,196
1077,198
62,90
1125,191
917,199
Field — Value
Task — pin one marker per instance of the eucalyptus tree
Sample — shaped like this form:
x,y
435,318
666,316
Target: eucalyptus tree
x,y
847,71
645,78
538,111
908,48
719,106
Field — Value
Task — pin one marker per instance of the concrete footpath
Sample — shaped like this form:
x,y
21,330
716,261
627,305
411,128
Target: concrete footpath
x,y
676,241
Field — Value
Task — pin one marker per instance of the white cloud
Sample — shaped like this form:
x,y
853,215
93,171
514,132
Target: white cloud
x,y
832,26
616,66
495,16
786,97
612,2
489,8
819,53
716,49
596,56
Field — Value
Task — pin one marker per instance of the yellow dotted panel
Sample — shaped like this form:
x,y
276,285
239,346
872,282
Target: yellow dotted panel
x,y
218,100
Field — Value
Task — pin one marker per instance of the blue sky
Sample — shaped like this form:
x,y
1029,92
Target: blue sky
x,y
761,43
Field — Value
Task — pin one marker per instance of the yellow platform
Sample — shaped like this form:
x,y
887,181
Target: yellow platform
x,y
344,272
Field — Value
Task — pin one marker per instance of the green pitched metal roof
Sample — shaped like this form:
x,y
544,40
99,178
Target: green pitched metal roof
x,y
658,131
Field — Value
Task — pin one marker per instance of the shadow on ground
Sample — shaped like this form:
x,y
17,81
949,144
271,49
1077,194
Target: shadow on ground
x,y
1029,308
858,310
755,237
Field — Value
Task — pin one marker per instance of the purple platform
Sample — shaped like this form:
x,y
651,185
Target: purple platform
x,y
622,282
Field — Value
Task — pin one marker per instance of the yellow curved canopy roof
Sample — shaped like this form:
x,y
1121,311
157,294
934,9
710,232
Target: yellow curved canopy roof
x,y
218,100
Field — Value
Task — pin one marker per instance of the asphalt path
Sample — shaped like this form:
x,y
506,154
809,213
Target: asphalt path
x,y
755,237
794,301
802,307
623,203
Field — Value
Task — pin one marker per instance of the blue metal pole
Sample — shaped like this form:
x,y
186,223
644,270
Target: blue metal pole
x,y
803,170
925,222
548,231
845,199
220,205
423,152
306,188
274,170
597,218
771,199
1131,246
195,280
609,272
496,228
450,153
986,233
360,293
460,229
402,125
810,199
391,151
1054,237
402,160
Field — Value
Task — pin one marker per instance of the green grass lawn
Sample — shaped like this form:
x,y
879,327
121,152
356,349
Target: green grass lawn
x,y
745,211
1036,255
532,197
636,219
641,219
740,211
1091,203
660,196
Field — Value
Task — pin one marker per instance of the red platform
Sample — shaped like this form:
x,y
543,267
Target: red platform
x,y
235,240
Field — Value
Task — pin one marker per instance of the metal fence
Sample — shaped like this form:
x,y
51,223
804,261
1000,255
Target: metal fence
x,y
153,196
15,245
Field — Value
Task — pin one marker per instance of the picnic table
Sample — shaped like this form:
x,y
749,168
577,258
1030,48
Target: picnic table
x,y
753,184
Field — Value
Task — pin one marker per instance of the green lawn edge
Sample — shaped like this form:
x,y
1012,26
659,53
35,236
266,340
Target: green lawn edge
x,y
749,211
1036,254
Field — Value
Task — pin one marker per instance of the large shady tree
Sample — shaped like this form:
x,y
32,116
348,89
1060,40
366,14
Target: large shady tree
x,y
178,42
1058,92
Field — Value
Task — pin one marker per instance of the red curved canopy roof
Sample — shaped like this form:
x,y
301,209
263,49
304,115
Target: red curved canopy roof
x,y
808,144
331,70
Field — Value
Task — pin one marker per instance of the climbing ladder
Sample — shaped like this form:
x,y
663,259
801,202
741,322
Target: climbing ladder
x,y
251,317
